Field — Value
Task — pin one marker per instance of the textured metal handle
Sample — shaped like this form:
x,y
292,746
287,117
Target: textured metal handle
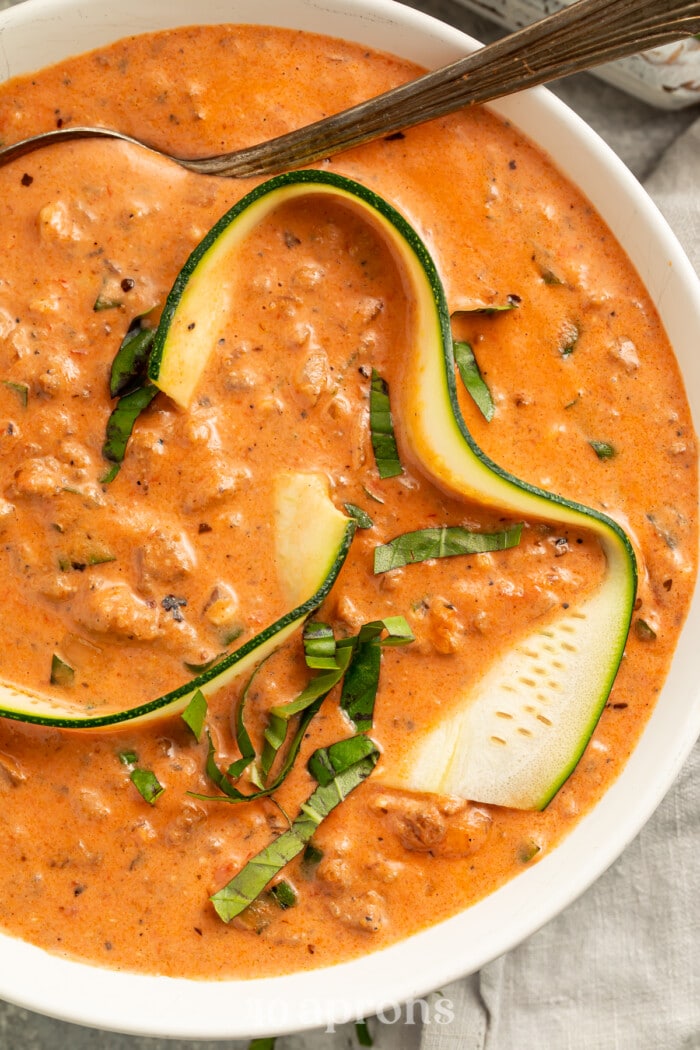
x,y
575,38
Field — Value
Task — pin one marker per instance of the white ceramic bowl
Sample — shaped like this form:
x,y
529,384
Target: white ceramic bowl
x,y
40,32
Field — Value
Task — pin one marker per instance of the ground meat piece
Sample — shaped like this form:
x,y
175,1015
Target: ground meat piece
x,y
334,876
113,608
164,556
12,773
363,912
181,829
47,477
446,630
211,478
60,377
441,826
63,221
7,513
314,377
223,608
420,827
38,476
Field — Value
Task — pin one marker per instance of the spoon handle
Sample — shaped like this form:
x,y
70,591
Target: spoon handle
x,y
575,38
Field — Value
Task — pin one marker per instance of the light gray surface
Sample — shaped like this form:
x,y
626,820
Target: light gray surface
x,y
510,1006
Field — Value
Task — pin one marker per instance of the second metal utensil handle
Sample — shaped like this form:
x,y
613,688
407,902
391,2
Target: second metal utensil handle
x,y
576,38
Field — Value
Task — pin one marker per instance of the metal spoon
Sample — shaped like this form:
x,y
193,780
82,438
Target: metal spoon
x,y
576,38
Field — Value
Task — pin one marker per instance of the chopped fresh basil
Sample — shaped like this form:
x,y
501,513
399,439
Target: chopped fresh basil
x,y
569,338
144,780
364,1037
252,879
319,646
219,776
528,851
230,634
386,453
512,303
120,425
103,302
61,673
549,276
444,542
327,762
644,631
147,785
195,714
357,659
361,516
309,700
311,859
603,449
97,556
20,389
372,495
473,380
275,736
131,360
284,894
361,679
199,668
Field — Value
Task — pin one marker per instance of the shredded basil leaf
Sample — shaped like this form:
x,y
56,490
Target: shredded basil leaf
x,y
363,1034
569,338
644,631
252,879
386,453
199,668
195,713
327,762
319,646
311,859
120,425
603,449
131,360
61,673
444,542
20,389
372,495
284,894
231,794
473,379
361,516
361,679
102,302
512,303
147,785
128,758
308,700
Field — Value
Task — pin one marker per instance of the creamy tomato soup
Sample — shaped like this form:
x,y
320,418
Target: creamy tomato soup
x,y
134,584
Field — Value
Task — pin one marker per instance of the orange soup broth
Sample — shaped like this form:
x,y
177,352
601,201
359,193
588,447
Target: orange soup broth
x,y
89,869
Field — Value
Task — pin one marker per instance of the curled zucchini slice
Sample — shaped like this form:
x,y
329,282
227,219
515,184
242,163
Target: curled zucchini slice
x,y
312,539
552,685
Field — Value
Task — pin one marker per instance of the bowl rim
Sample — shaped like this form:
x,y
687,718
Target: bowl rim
x,y
182,1008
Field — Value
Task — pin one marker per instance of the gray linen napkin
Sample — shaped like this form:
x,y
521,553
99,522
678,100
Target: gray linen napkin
x,y
620,968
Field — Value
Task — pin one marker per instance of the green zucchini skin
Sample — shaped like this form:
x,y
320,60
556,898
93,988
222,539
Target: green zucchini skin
x,y
439,441
441,445
209,681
